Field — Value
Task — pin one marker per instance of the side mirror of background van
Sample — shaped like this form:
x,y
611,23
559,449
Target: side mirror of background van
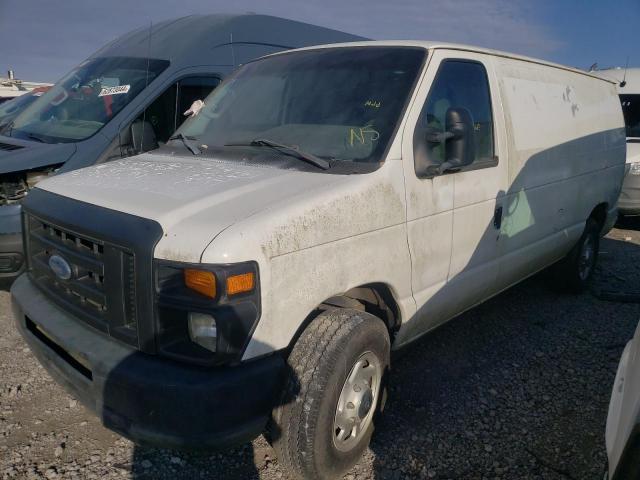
x,y
143,137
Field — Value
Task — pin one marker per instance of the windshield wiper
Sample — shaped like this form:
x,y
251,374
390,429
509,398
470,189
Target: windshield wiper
x,y
37,138
292,151
186,140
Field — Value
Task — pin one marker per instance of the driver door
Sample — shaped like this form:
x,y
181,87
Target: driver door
x,y
454,216
468,82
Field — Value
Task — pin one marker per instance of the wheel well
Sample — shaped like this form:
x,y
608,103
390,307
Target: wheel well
x,y
374,298
599,214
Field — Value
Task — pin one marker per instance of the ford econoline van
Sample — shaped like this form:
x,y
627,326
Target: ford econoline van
x,y
127,98
628,84
326,206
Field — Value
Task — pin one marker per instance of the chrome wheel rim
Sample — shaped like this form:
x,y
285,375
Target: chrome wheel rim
x,y
357,402
585,261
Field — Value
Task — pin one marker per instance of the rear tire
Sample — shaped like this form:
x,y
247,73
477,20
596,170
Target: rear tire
x,y
574,272
335,388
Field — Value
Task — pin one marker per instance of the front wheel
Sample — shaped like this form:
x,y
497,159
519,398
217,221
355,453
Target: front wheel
x,y
334,389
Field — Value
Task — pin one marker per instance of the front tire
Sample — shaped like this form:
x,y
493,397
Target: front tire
x,y
334,389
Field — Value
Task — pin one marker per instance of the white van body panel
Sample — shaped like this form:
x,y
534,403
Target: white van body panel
x,y
560,151
566,155
349,234
624,406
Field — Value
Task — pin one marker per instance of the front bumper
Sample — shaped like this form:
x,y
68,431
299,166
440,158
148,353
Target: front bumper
x,y
150,400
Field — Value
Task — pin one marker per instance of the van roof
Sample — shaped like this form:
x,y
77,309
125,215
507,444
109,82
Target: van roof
x,y
208,39
433,45
617,74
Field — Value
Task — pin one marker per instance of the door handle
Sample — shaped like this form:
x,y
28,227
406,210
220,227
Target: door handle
x,y
497,217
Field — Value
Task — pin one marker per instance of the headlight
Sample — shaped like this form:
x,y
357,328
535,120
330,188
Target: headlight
x,y
206,313
634,168
203,330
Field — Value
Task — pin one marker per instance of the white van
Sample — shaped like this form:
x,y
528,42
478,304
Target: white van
x,y
326,206
628,84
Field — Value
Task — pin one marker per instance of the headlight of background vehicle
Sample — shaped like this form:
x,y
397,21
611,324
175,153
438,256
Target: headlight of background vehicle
x,y
206,313
634,168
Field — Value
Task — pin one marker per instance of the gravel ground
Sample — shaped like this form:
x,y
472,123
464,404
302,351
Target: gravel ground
x,y
517,388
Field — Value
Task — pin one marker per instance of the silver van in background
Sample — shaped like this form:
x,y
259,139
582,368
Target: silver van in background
x,y
628,84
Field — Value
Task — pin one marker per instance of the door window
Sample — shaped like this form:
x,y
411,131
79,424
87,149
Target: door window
x,y
458,84
192,89
166,113
161,114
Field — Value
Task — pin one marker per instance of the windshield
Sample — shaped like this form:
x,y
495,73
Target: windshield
x,y
336,103
86,99
631,111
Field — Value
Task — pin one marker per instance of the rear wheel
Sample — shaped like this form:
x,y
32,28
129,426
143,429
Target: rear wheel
x,y
576,269
334,389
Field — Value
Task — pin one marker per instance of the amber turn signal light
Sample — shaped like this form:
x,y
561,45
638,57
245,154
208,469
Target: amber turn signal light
x,y
240,283
201,281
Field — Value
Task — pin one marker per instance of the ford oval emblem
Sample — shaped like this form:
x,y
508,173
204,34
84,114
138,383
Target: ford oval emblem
x,y
60,267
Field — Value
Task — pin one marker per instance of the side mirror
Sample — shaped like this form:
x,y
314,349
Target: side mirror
x,y
143,136
460,146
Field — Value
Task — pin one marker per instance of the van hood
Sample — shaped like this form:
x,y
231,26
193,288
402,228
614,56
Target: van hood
x,y
192,198
18,155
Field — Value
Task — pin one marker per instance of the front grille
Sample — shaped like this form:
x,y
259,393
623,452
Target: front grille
x,y
9,147
101,288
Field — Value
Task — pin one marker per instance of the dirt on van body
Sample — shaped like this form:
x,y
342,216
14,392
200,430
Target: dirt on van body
x,y
516,388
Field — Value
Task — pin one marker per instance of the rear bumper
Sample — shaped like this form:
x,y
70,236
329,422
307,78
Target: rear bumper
x,y
147,399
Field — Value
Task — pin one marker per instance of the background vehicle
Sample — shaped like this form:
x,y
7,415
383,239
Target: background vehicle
x,y
326,205
623,421
12,87
127,97
628,83
11,108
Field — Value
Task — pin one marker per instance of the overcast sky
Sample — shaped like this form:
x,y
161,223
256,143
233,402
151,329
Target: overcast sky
x,y
42,39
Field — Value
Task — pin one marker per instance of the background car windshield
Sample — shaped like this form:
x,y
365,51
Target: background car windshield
x,y
13,105
631,110
10,109
86,99
341,103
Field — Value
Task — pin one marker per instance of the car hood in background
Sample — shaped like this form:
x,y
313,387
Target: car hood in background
x,y
18,155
